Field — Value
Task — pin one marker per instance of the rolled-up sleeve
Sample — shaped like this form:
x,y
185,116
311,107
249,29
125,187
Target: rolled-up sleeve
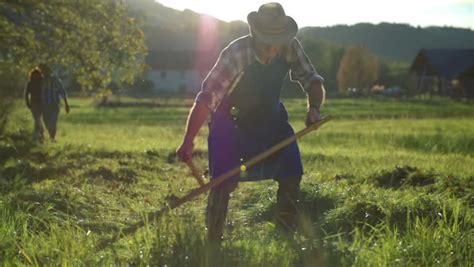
x,y
219,79
301,68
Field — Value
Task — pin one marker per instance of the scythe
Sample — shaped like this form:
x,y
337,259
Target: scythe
x,y
175,202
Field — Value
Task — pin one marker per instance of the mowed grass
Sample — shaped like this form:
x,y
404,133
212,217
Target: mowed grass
x,y
387,183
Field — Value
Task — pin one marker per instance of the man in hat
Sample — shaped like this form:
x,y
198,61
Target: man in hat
x,y
52,91
242,93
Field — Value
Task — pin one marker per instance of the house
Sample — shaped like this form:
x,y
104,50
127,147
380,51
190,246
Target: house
x,y
445,72
179,70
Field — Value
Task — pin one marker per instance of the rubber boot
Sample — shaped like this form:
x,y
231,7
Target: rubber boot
x,y
216,212
286,206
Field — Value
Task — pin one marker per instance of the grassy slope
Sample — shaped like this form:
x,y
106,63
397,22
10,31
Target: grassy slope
x,y
386,183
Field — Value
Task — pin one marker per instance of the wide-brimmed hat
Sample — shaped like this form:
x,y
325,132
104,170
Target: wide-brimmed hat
x,y
271,25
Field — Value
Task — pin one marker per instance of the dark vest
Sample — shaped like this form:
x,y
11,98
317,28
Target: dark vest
x,y
251,119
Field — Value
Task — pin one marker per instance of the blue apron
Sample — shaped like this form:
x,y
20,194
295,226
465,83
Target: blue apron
x,y
250,120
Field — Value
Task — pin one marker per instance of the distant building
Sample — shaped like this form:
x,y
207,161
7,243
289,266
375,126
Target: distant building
x,y
179,70
445,71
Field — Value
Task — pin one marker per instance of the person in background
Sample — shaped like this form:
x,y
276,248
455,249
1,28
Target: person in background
x,y
242,95
33,102
52,91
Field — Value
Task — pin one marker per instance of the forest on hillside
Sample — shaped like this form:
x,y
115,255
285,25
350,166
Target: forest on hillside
x,y
386,50
33,32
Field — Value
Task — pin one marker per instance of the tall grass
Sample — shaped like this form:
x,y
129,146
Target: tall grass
x,y
386,183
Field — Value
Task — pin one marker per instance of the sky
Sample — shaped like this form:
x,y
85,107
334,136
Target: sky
x,y
423,13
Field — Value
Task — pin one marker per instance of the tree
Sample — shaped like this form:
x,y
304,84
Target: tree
x,y
359,68
394,73
326,58
93,41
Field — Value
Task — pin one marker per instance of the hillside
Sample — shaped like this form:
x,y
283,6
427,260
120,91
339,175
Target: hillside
x,y
167,28
398,42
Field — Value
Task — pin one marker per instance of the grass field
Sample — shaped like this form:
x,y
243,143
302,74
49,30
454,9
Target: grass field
x,y
387,183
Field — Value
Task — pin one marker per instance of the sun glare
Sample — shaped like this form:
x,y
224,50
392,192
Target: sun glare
x,y
207,40
310,13
223,10
207,35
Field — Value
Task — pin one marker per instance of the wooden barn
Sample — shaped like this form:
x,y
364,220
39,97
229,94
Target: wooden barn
x,y
445,72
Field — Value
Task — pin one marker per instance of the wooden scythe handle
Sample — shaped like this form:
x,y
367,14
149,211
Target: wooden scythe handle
x,y
176,202
251,162
196,172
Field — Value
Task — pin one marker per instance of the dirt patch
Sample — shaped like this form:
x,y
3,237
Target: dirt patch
x,y
404,176
125,175
344,176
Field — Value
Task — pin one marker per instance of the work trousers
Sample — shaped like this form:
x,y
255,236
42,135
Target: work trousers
x,y
38,125
286,206
50,118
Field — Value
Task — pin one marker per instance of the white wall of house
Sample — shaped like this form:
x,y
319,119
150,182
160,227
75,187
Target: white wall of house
x,y
176,81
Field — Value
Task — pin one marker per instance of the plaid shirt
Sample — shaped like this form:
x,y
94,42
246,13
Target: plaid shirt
x,y
52,91
241,53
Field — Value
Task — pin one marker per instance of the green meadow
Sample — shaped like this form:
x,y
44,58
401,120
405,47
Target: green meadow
x,y
387,183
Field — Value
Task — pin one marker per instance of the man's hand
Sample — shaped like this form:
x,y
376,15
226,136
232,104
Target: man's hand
x,y
312,116
185,151
197,117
